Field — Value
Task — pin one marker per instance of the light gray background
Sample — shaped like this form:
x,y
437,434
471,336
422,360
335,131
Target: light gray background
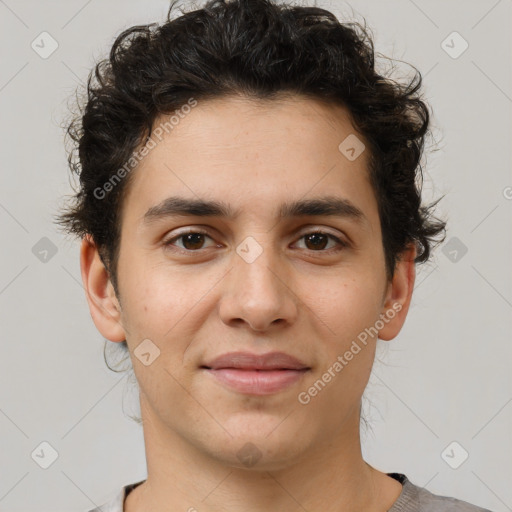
x,y
447,376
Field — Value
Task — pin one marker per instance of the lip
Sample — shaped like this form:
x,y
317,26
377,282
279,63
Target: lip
x,y
249,361
256,374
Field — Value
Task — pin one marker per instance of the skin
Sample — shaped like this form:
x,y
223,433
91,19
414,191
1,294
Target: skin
x,y
306,301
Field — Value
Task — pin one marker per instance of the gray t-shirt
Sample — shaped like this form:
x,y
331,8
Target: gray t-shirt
x,y
411,499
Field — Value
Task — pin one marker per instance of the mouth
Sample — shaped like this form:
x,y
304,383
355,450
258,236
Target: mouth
x,y
256,374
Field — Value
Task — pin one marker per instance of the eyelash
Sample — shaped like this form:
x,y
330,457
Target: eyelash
x,y
169,243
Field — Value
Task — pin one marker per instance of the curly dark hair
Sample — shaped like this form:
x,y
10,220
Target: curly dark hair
x,y
260,50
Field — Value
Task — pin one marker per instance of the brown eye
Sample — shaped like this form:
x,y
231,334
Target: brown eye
x,y
318,240
191,241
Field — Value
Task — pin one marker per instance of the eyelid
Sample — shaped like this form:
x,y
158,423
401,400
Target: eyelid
x,y
340,236
176,236
341,242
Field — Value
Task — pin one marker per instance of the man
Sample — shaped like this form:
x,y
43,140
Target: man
x,y
251,220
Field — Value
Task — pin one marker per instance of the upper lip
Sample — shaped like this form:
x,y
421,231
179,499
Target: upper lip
x,y
249,361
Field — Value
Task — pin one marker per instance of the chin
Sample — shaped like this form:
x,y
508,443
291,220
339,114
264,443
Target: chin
x,y
259,446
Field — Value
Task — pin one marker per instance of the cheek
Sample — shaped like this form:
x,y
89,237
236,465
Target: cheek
x,y
156,293
350,310
167,306
346,306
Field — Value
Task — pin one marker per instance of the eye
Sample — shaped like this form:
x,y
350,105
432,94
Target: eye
x,y
192,240
316,241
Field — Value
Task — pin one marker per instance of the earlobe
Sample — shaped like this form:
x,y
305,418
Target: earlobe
x,y
399,294
103,304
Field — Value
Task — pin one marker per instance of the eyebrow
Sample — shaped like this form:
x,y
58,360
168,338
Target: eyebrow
x,y
328,206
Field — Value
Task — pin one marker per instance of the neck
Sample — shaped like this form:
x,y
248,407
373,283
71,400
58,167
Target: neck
x,y
331,477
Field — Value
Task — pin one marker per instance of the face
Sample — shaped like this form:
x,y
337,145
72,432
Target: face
x,y
294,265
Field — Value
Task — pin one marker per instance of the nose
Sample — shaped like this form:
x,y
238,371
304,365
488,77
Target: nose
x,y
258,294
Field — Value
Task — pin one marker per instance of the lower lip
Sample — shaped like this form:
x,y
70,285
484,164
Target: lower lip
x,y
257,382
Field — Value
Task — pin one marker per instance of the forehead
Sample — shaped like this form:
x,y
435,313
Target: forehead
x,y
238,150
233,122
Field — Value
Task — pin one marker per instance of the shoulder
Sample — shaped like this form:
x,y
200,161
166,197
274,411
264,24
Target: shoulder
x,y
116,503
418,499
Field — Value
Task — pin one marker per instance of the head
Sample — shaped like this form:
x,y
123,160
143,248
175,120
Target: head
x,y
266,133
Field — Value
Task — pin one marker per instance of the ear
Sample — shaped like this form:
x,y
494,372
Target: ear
x,y
398,295
103,304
